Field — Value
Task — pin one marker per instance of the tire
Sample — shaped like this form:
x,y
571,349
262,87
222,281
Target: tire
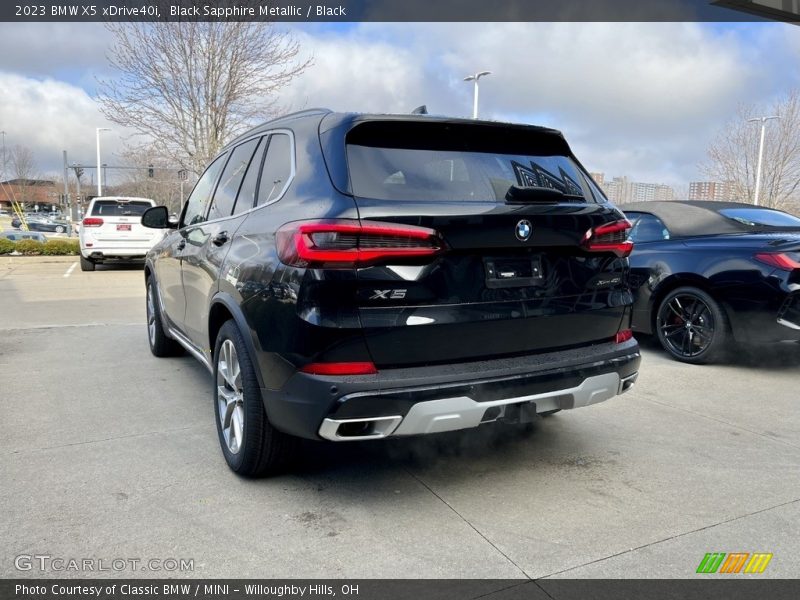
x,y
60,229
160,344
86,264
251,446
691,326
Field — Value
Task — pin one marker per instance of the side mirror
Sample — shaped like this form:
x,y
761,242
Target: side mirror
x,y
157,217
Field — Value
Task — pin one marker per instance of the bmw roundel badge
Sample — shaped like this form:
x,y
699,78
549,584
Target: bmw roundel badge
x,y
524,230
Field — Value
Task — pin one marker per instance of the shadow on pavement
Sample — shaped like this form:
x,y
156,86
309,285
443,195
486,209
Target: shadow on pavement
x,y
778,356
502,447
120,266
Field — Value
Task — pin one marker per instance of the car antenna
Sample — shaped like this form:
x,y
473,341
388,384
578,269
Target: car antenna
x,y
420,110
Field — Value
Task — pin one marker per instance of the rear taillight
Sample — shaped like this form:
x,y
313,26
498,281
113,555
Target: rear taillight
x,y
346,243
623,336
92,222
340,368
611,237
779,260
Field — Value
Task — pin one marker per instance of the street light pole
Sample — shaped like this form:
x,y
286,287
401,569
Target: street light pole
x,y
3,133
474,78
763,121
99,164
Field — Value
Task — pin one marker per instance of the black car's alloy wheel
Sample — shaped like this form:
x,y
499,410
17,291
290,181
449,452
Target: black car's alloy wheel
x,y
251,446
160,344
691,326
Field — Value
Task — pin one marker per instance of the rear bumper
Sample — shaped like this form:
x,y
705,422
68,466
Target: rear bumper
x,y
441,398
110,253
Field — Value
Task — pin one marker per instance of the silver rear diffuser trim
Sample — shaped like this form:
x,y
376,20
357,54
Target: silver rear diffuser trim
x,y
462,412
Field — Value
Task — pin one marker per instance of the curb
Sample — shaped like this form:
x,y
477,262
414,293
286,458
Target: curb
x,y
38,259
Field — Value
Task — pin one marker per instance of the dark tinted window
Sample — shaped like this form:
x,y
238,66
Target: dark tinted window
x,y
231,180
646,228
453,175
277,168
112,208
247,193
761,217
198,200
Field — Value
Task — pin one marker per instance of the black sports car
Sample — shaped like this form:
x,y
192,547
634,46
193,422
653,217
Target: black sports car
x,y
43,224
707,273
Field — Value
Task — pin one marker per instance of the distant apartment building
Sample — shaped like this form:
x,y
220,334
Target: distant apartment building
x,y
599,178
621,190
648,192
712,190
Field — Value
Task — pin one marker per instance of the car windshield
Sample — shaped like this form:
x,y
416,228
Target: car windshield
x,y
112,208
761,217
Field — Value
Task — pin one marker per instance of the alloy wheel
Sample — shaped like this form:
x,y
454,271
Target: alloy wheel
x,y
151,315
230,397
686,325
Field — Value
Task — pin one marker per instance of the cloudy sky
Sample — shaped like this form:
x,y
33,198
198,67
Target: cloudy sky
x,y
642,100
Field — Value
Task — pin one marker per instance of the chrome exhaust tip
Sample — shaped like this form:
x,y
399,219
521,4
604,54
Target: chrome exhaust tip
x,y
627,383
354,430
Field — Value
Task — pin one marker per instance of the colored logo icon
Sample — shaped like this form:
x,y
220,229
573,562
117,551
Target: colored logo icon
x,y
734,562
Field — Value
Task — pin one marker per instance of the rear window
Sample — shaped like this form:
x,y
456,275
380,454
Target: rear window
x,y
760,217
112,208
403,174
458,162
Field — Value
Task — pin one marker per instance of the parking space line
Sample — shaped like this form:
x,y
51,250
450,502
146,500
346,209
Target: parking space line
x,y
70,270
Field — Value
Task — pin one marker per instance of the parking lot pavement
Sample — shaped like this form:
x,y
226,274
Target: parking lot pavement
x,y
108,452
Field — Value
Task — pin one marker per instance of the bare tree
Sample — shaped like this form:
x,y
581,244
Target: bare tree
x,y
24,172
190,87
23,163
151,175
733,155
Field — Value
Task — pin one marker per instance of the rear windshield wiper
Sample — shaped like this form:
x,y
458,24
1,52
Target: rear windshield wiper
x,y
524,194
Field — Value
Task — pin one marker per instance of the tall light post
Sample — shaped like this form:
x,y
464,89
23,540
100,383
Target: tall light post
x,y
3,133
474,79
99,164
763,121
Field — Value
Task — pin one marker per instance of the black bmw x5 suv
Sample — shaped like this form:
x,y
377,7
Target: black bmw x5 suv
x,y
352,277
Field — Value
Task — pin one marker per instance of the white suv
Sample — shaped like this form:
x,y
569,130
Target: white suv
x,y
112,230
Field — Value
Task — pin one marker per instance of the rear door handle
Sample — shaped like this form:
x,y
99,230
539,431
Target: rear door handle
x,y
220,238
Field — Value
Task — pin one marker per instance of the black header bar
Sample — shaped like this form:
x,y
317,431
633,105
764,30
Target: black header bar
x,y
397,10
705,587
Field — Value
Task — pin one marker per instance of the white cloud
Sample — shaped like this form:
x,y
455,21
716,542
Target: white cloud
x,y
50,116
48,48
355,72
639,99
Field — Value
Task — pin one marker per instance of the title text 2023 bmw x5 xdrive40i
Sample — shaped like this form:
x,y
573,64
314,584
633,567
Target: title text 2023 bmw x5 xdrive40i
x,y
352,277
